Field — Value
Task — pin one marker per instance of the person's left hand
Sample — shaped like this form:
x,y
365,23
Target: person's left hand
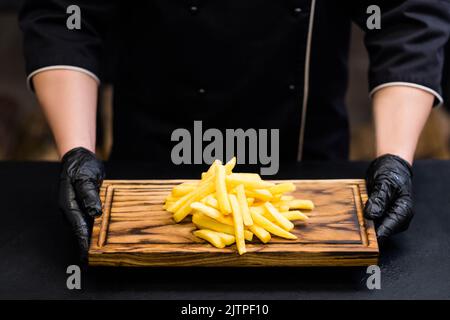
x,y
80,180
389,184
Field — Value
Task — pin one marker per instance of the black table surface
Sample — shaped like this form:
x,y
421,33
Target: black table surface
x,y
36,246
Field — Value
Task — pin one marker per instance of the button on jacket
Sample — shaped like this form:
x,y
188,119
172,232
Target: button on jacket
x,y
278,64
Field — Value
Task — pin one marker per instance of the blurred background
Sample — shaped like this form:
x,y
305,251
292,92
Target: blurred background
x,y
24,134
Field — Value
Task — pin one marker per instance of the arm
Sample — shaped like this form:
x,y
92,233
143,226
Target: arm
x,y
408,50
63,67
69,101
400,114
406,61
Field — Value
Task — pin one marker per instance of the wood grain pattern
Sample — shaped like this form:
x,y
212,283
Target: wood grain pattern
x,y
135,230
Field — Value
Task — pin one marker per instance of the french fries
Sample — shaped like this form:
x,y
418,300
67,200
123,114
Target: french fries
x,y
295,215
259,194
182,189
243,204
248,182
204,222
231,208
212,213
210,236
217,239
282,188
301,204
261,233
221,190
278,217
272,227
197,194
238,224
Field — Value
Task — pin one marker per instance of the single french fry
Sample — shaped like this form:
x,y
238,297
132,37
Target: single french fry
x,y
260,233
211,201
282,188
260,194
229,166
238,224
179,203
258,209
248,176
301,204
278,217
197,195
212,213
226,219
182,189
243,204
204,222
221,190
210,236
271,227
208,211
290,215
295,215
234,180
269,217
228,239
211,170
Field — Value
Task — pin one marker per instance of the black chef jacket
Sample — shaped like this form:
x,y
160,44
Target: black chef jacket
x,y
278,64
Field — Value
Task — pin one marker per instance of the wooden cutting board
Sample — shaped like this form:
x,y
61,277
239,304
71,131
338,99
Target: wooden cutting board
x,y
135,230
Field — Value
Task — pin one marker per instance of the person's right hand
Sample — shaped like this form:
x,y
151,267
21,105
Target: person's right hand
x,y
81,177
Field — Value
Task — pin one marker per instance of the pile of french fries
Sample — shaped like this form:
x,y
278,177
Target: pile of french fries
x,y
230,208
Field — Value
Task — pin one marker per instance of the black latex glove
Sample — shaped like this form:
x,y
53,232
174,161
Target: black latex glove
x,y
389,184
81,177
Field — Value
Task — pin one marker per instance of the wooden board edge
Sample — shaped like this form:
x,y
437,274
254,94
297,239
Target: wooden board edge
x,y
171,181
217,260
369,224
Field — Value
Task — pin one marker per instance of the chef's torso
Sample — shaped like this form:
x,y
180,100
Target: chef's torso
x,y
261,64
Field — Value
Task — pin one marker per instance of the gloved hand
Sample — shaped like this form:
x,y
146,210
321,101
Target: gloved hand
x,y
81,177
389,184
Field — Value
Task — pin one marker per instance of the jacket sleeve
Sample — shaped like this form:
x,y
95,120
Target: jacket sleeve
x,y
409,48
50,44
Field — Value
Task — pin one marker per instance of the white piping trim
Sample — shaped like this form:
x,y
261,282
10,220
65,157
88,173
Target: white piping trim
x,y
60,67
407,84
306,81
